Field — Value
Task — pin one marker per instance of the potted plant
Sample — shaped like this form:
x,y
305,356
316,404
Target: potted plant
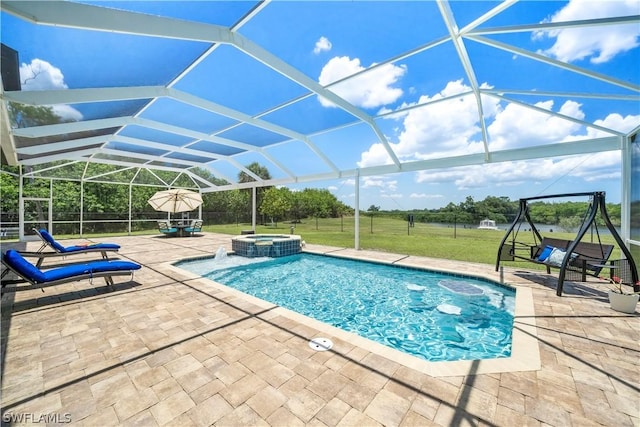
x,y
619,300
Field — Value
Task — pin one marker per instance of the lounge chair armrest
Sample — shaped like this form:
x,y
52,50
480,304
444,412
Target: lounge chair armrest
x,y
27,254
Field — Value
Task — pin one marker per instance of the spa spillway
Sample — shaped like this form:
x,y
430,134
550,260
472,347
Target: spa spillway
x,y
271,245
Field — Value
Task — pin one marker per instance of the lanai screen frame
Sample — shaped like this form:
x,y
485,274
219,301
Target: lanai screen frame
x,y
96,18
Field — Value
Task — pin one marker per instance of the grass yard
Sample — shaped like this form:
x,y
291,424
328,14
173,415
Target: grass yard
x,y
385,233
392,235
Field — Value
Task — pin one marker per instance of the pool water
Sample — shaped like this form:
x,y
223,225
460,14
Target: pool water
x,y
430,315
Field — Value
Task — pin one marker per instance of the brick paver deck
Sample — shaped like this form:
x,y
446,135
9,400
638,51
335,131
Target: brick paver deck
x,y
173,349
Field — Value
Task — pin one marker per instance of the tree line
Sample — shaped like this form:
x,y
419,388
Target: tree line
x,y
567,215
105,201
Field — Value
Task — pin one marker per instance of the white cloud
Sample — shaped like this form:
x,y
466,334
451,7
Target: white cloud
x,y
371,89
615,121
600,46
383,182
450,126
376,155
446,126
596,168
531,128
322,45
517,126
591,168
67,112
466,177
41,75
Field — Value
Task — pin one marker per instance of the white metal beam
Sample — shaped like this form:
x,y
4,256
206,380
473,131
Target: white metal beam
x,y
572,148
7,143
97,18
74,155
75,15
458,43
275,63
145,157
112,94
125,164
403,110
73,144
79,96
52,167
555,62
555,114
551,26
562,94
165,147
501,7
71,127
245,118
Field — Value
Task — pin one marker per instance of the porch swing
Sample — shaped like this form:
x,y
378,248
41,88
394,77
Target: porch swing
x,y
574,258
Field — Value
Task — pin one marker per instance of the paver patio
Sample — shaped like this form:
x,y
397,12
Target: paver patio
x,y
173,349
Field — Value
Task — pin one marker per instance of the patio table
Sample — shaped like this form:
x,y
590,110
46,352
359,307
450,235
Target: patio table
x,y
181,225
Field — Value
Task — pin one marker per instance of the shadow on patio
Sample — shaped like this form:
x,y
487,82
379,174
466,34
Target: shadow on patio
x,y
175,350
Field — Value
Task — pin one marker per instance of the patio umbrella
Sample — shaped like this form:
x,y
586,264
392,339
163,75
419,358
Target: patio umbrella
x,y
175,200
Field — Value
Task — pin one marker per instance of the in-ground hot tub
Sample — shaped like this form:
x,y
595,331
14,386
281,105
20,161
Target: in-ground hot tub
x,y
271,245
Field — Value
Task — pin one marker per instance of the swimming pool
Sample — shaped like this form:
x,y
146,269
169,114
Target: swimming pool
x,y
430,315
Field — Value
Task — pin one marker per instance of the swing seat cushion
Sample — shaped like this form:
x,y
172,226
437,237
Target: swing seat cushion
x,y
586,256
545,253
556,256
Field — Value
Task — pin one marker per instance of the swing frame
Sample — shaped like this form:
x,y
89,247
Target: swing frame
x,y
573,259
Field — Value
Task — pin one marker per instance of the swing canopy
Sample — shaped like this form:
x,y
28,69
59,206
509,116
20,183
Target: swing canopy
x,y
570,256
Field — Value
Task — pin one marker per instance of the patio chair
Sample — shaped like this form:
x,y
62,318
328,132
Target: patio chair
x,y
195,227
59,250
15,262
166,228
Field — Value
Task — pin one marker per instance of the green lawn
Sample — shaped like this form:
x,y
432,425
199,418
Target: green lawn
x,y
392,235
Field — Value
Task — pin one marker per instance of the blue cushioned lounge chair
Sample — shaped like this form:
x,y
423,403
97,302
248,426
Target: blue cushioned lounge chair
x,y
59,250
15,262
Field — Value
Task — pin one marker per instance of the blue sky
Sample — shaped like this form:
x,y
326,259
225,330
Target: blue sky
x,y
328,41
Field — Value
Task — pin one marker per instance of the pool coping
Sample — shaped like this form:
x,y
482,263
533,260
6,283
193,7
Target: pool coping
x,y
525,352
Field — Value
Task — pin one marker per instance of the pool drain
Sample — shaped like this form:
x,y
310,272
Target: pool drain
x,y
321,344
